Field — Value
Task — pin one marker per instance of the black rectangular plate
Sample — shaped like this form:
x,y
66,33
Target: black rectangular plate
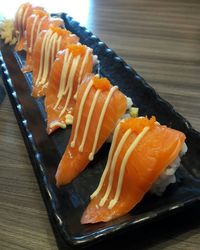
x,y
66,205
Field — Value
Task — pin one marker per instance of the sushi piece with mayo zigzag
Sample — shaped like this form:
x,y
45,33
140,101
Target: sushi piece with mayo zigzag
x,y
142,150
68,71
98,108
24,11
38,21
48,43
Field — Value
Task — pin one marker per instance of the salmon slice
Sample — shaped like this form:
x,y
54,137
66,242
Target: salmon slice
x,y
98,108
48,43
24,11
67,72
141,150
38,21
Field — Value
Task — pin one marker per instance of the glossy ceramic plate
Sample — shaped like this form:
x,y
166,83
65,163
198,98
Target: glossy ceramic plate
x,y
66,205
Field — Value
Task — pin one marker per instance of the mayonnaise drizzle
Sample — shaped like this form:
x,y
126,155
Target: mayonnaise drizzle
x,y
57,123
123,167
24,15
110,156
46,37
85,59
70,82
37,32
32,33
64,88
80,111
75,96
19,18
94,101
69,119
64,73
59,43
53,51
47,58
112,90
40,25
113,165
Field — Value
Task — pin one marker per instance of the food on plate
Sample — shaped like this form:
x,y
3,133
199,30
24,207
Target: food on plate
x,y
68,70
98,108
7,31
48,43
22,14
38,21
144,155
141,151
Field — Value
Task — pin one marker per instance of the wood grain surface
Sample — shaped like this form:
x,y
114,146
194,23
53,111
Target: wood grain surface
x,y
161,41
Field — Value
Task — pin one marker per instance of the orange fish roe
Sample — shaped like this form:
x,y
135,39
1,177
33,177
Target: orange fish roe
x,y
59,31
40,13
101,83
137,124
77,49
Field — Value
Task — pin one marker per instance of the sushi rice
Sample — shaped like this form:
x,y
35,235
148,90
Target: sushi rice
x,y
168,176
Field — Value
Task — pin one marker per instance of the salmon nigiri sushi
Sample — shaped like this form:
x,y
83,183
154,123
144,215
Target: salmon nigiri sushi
x,y
67,72
141,151
98,108
22,14
48,43
38,21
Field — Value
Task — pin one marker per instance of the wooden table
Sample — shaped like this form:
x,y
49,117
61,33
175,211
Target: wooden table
x,y
160,40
